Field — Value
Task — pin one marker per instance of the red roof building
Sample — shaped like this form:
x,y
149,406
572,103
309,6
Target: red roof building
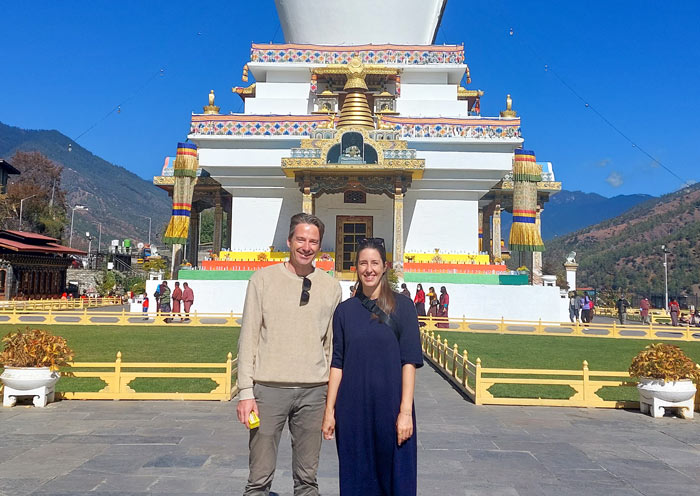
x,y
33,265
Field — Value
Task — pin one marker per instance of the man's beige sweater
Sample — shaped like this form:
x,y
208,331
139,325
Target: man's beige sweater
x,y
283,343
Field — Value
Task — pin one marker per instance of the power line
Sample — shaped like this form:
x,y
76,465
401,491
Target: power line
x,y
588,105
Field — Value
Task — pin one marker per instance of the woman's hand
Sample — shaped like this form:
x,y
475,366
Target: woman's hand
x,y
328,426
404,426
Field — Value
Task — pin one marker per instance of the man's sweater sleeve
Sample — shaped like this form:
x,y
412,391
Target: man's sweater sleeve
x,y
248,340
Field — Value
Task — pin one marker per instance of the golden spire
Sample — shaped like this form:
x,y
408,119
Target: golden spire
x,y
211,108
355,111
509,112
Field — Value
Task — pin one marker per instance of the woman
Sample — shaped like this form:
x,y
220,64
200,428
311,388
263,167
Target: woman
x,y
369,405
444,304
433,301
419,301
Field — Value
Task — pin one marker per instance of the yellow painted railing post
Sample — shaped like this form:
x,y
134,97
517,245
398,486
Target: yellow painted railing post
x,y
540,329
464,323
477,382
687,332
445,347
502,326
85,317
439,345
650,332
614,329
50,317
455,354
465,367
586,385
227,383
118,374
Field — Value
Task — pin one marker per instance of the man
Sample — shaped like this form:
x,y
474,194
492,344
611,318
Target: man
x,y
164,299
674,309
622,306
578,304
644,306
284,355
187,299
177,300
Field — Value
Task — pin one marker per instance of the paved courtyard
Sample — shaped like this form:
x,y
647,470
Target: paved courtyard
x,y
135,448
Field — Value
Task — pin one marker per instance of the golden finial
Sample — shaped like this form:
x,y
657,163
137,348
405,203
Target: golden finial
x,y
244,76
211,108
509,112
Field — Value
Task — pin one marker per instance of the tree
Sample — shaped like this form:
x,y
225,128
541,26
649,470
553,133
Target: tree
x,y
39,183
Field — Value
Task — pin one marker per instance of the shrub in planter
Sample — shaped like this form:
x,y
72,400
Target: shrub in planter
x,y
665,379
31,359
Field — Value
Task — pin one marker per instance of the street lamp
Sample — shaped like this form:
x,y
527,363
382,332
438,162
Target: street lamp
x,y
149,228
666,252
72,215
20,208
99,239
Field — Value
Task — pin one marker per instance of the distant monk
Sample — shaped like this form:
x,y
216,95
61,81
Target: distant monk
x,y
188,300
177,298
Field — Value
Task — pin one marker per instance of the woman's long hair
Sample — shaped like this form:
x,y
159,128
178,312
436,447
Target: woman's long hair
x,y
387,298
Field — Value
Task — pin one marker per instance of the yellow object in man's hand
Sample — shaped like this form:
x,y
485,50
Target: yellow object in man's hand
x,y
253,421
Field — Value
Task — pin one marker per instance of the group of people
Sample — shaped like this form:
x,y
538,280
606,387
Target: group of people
x,y
181,298
438,306
581,307
329,370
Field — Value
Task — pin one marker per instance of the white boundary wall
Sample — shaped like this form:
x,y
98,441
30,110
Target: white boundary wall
x,y
473,301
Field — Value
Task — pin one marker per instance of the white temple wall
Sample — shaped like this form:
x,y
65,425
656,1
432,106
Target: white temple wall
x,y
277,106
379,207
430,99
473,301
450,225
260,221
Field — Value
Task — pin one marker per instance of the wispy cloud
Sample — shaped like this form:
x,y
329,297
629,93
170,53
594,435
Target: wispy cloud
x,y
615,179
688,183
604,162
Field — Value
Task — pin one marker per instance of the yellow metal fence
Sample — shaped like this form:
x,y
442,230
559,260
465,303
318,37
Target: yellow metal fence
x,y
118,375
545,328
122,318
57,304
475,380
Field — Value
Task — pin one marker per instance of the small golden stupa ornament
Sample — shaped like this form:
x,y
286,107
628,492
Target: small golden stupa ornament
x,y
509,112
211,108
355,111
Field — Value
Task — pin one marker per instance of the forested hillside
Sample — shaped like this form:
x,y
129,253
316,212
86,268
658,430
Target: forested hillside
x,y
624,253
118,199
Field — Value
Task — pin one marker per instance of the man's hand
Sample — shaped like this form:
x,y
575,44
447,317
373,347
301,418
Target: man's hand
x,y
244,408
404,427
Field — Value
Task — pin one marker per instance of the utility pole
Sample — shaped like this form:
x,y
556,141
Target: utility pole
x,y
666,252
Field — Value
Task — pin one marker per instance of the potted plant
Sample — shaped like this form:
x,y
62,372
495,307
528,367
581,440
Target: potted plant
x,y
31,359
666,377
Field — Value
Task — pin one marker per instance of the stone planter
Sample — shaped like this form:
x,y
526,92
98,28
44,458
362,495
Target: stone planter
x,y
656,395
39,382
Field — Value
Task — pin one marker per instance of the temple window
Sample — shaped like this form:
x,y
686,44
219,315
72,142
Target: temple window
x,y
355,197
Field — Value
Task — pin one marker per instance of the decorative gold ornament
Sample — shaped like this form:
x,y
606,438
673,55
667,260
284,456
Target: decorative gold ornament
x,y
509,112
211,108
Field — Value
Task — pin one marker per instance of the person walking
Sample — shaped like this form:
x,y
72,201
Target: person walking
x,y
187,299
644,306
177,300
405,291
622,306
164,299
156,297
419,302
674,309
144,307
284,355
443,308
586,303
433,302
376,350
572,307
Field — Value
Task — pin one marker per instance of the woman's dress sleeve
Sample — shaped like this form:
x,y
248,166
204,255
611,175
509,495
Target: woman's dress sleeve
x,y
409,337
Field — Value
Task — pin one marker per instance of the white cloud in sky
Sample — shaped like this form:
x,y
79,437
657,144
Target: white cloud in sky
x,y
615,179
604,162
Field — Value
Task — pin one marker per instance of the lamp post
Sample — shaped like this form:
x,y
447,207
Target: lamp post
x,y
21,202
99,239
666,252
149,227
72,215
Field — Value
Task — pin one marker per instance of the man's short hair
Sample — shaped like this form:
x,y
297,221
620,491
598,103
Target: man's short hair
x,y
303,218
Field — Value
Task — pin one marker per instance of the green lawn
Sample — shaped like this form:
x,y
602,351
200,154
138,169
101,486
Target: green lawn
x,y
145,344
555,352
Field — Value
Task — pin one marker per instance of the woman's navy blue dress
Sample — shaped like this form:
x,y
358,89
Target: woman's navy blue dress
x,y
371,357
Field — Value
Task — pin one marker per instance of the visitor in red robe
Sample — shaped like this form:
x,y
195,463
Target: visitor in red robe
x,y
443,307
177,299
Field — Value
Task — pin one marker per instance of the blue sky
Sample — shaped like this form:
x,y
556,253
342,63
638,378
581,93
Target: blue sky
x,y
68,64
